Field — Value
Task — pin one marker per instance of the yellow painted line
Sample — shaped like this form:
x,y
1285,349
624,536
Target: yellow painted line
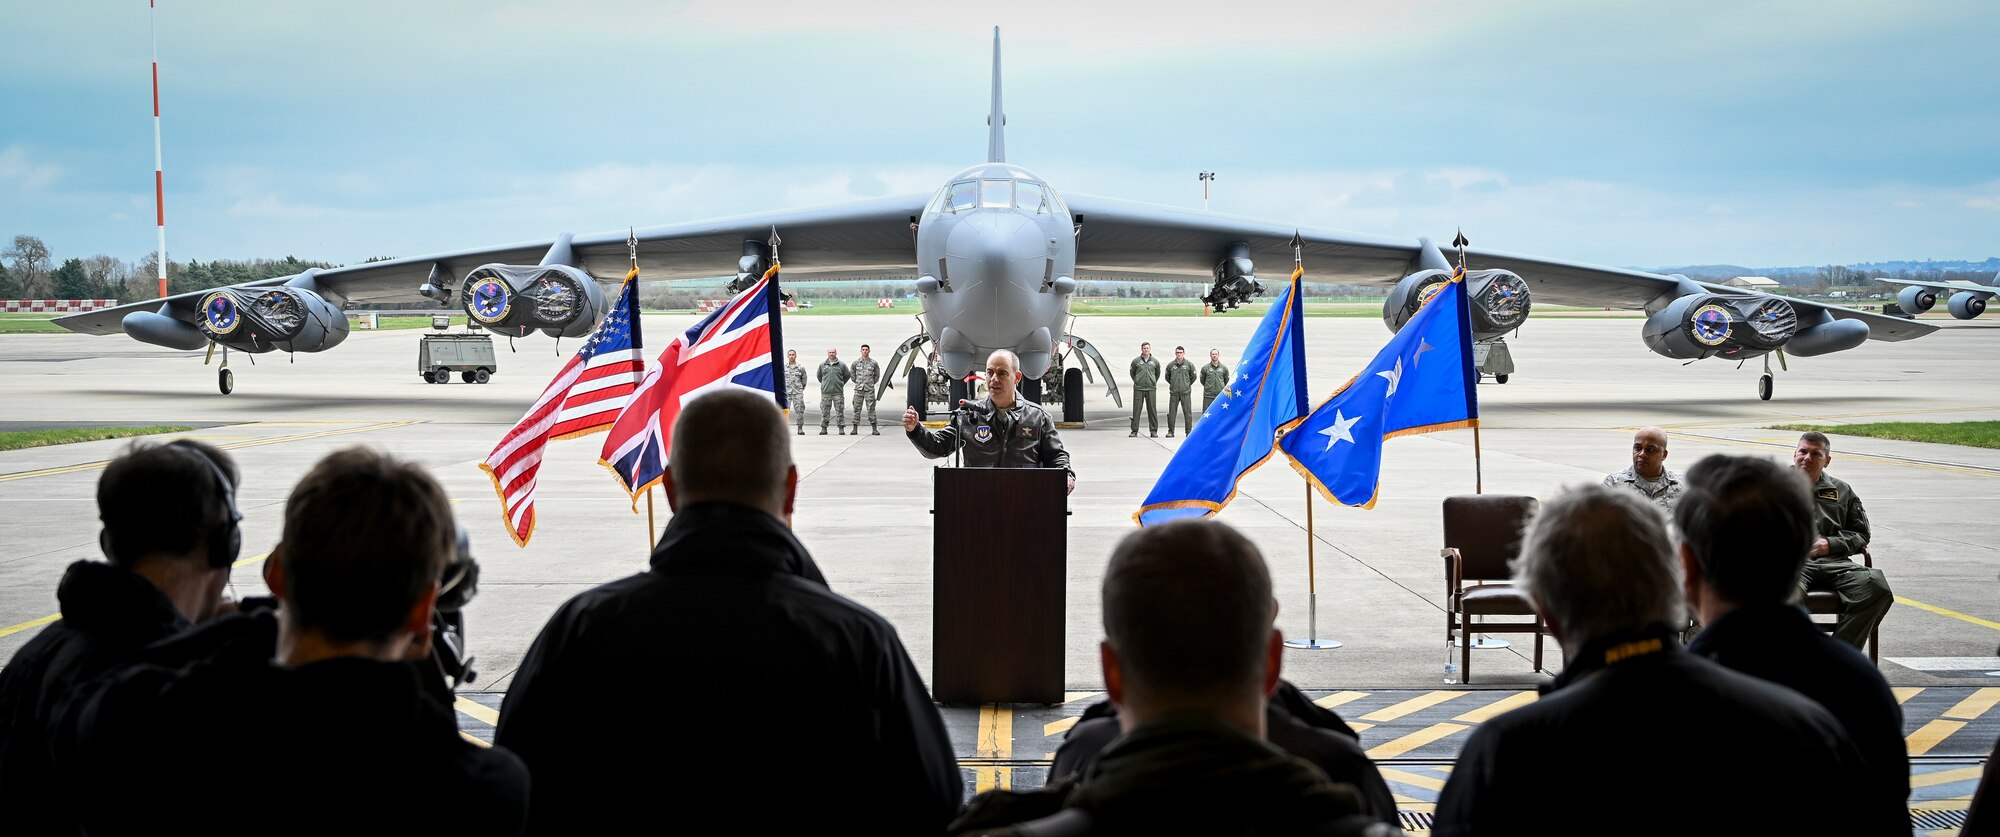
x,y
1415,704
1974,705
477,711
1821,419
244,562
1946,777
1931,735
1506,704
1871,457
996,741
1361,726
1054,727
1414,740
1904,693
10,630
1406,777
1339,698
476,742
1402,800
1984,623
274,440
1072,697
1954,803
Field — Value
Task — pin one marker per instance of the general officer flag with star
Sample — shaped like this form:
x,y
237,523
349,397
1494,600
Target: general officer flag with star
x,y
1237,432
1421,382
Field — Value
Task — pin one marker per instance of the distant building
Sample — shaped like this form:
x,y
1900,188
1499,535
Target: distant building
x,y
1755,283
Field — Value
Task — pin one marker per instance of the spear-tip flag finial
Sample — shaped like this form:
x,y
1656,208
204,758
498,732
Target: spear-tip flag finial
x,y
1298,248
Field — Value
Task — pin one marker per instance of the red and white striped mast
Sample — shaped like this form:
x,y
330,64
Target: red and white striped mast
x,y
159,168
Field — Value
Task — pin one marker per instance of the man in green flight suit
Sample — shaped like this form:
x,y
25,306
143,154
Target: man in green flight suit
x,y
1214,379
1843,533
833,378
1180,386
1145,379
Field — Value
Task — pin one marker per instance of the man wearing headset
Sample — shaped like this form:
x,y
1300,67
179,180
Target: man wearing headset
x,y
170,536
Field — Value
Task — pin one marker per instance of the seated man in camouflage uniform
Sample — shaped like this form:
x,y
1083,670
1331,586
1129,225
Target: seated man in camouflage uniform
x,y
1649,475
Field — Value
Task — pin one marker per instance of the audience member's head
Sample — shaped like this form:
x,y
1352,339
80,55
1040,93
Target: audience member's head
x,y
1188,625
731,446
1746,526
366,538
169,513
1598,561
1813,453
1649,452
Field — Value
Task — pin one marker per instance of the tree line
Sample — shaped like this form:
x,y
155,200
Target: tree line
x,y
29,271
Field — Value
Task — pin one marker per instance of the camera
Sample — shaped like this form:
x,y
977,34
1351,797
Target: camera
x,y
456,586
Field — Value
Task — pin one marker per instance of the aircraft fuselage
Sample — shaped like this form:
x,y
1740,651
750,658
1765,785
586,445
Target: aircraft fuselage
x,y
996,252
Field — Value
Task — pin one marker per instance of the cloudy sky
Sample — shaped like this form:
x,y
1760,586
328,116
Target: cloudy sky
x,y
1755,133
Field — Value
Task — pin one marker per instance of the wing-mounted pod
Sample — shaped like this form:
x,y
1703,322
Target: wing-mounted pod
x,y
756,260
1916,299
294,317
554,297
1712,325
1235,279
1967,304
1499,299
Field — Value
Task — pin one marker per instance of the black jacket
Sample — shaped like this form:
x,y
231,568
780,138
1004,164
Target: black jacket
x,y
1021,436
1640,737
723,672
1185,775
342,746
1778,643
108,615
1292,722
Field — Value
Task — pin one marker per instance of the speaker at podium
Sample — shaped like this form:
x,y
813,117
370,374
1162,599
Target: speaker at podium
x,y
999,563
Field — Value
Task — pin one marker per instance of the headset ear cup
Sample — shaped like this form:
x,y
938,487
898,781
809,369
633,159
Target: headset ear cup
x,y
224,544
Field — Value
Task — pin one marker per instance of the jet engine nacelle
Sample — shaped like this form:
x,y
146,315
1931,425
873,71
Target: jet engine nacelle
x,y
275,318
558,300
1828,337
1712,325
1965,305
1500,300
1916,299
163,330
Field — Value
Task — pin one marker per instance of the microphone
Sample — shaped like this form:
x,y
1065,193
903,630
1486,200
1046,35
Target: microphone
x,y
973,408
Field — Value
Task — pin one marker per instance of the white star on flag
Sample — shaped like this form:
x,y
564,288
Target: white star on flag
x,y
1338,431
1395,377
1422,347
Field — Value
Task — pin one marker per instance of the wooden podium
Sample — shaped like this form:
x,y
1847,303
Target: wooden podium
x,y
999,559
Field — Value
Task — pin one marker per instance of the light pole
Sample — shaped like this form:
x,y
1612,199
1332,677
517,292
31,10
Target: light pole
x,y
1207,177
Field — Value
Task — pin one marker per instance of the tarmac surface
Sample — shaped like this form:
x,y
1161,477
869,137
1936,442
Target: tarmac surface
x,y
1564,418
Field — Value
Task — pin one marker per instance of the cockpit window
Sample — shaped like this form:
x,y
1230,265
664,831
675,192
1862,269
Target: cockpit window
x,y
964,195
998,193
1032,197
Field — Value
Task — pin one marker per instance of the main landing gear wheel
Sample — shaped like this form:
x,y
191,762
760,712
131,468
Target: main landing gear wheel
x,y
1764,388
225,380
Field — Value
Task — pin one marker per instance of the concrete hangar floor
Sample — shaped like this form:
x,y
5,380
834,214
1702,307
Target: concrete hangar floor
x,y
1565,417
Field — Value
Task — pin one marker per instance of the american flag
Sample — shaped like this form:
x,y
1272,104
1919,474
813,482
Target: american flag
x,y
584,398
736,347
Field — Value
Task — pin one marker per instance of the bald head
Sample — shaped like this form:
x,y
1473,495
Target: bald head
x,y
731,446
1649,452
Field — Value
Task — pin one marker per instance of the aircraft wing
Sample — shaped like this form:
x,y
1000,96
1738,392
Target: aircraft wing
x,y
1984,291
1128,239
858,238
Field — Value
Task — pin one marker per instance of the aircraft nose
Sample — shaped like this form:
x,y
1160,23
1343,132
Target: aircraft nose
x,y
996,244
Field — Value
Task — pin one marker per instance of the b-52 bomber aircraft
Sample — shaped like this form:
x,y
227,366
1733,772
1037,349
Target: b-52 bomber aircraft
x,y
996,251
1968,299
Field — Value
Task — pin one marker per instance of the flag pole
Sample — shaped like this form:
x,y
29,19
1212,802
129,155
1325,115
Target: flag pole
x,y
1312,640
652,532
632,250
1478,470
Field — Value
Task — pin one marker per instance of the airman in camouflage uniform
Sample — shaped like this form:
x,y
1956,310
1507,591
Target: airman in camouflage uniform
x,y
866,374
1214,379
1052,384
938,390
833,378
795,389
1180,388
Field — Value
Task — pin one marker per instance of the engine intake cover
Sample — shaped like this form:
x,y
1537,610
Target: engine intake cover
x,y
559,300
1712,325
267,319
1500,300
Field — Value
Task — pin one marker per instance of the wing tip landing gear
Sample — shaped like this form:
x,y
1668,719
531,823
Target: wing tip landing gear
x,y
1764,384
225,381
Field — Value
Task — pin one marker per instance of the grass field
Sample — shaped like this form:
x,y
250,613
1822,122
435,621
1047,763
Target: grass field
x,y
18,439
18,323
1978,434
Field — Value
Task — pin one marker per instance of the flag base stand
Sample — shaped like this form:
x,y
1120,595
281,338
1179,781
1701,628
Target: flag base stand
x,y
1483,642
1312,640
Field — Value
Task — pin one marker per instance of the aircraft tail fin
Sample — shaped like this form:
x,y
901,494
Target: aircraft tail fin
x,y
996,120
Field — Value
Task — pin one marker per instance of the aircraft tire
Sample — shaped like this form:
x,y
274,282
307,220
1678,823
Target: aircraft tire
x,y
225,380
1764,388
481,376
915,387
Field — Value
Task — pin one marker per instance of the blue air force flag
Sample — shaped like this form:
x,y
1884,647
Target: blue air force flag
x,y
1237,433
1422,381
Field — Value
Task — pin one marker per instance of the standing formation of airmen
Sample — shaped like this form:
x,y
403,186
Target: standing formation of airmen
x,y
1180,387
833,377
1214,379
1145,381
866,374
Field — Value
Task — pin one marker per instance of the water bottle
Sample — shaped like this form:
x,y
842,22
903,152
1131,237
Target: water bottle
x,y
1451,672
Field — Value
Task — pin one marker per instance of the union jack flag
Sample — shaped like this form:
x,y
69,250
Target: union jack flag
x,y
585,397
735,347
